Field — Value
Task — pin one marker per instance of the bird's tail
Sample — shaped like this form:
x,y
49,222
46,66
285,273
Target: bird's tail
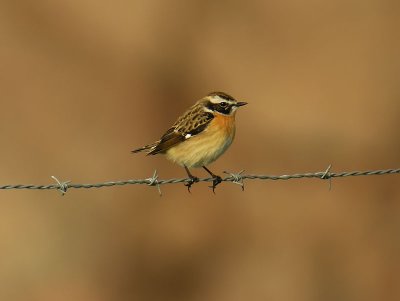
x,y
147,148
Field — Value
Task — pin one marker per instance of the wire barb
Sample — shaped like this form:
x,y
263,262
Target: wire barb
x,y
62,186
327,176
153,181
236,178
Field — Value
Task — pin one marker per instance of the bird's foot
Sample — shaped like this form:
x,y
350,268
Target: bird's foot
x,y
190,182
216,181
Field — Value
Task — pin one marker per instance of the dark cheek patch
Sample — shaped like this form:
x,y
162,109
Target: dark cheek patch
x,y
217,107
211,106
224,110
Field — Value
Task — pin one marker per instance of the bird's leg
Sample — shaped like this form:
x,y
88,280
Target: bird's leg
x,y
192,179
216,179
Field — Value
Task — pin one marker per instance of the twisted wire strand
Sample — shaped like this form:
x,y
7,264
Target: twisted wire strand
x,y
232,177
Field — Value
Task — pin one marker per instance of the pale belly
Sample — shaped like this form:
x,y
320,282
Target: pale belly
x,y
202,149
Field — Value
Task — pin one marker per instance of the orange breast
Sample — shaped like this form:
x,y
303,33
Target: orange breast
x,y
207,146
224,123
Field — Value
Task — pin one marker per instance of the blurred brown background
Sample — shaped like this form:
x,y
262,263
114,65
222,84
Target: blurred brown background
x,y
83,82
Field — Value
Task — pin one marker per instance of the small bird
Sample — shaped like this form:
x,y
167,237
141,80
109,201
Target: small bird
x,y
200,136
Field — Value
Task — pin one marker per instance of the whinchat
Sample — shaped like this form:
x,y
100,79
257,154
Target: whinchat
x,y
200,136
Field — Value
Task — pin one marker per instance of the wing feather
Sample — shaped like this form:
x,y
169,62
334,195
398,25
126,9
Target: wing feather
x,y
192,122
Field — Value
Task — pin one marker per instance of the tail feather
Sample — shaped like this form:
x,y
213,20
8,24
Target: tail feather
x,y
147,148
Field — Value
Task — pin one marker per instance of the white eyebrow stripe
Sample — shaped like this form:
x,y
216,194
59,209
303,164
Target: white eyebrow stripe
x,y
218,99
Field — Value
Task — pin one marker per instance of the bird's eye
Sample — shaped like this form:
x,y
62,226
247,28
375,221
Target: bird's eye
x,y
223,104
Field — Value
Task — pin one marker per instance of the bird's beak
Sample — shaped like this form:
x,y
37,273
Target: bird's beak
x,y
240,103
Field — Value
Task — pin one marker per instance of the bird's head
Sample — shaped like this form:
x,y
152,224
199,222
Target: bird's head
x,y
221,103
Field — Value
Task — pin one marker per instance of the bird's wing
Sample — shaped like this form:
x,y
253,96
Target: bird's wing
x,y
188,125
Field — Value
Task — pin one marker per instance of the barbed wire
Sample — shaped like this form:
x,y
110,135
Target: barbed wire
x,y
236,178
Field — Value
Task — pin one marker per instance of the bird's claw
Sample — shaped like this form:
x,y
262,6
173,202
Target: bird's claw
x,y
216,181
190,182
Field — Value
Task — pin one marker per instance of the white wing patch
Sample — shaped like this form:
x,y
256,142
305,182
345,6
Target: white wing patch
x,y
187,136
